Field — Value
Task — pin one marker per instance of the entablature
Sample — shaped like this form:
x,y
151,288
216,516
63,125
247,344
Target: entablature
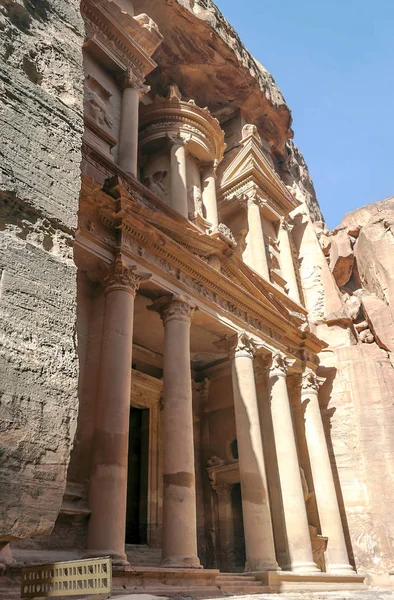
x,y
113,219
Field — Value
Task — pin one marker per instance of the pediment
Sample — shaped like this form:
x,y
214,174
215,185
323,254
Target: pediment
x,y
251,163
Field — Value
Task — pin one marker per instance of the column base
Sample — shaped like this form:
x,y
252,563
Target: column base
x,y
303,568
181,562
118,560
256,566
337,569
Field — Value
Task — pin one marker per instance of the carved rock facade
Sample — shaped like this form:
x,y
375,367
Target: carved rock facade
x,y
230,370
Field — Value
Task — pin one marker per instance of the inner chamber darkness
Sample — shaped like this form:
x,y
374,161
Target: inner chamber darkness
x,y
137,483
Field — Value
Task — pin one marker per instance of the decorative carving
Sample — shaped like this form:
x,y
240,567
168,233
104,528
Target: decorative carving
x,y
177,140
215,461
226,231
155,182
95,102
131,80
174,93
124,276
279,366
249,130
146,22
310,383
239,345
223,490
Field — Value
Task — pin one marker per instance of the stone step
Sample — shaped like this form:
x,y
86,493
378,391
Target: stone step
x,y
239,580
142,555
235,589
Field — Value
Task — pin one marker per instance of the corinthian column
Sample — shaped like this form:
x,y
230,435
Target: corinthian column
x,y
179,200
108,477
128,133
323,480
209,194
259,538
257,256
179,548
287,261
295,517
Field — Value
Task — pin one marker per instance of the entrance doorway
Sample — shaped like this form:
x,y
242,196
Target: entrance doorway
x,y
137,479
239,535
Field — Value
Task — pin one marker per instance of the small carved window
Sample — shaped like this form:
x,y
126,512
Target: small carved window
x,y
234,449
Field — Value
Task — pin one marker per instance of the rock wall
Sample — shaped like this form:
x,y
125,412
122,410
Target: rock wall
x,y
347,278
41,125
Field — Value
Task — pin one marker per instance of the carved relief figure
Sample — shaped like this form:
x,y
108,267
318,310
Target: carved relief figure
x,y
96,102
155,182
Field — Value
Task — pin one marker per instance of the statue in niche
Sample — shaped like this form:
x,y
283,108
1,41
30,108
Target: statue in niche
x,y
198,203
155,182
95,103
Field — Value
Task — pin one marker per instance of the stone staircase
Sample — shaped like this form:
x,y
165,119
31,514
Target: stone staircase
x,y
234,583
143,556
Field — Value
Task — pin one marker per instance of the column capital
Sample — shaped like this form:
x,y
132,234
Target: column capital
x,y
173,308
285,225
223,490
210,169
310,383
124,277
239,345
253,197
176,140
130,80
278,367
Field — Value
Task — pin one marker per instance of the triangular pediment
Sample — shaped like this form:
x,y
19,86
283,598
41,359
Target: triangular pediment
x,y
251,163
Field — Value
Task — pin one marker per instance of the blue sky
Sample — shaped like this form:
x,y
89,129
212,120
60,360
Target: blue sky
x,y
334,62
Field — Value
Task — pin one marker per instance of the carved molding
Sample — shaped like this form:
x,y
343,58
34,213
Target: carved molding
x,y
145,390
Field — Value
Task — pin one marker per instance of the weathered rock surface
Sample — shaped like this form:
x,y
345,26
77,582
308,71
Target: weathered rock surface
x,y
41,128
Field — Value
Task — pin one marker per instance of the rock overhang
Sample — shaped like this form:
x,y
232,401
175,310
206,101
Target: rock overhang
x,y
205,57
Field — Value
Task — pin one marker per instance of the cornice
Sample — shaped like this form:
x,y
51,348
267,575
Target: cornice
x,y
121,37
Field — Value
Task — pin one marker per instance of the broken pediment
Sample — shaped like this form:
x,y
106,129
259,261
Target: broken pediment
x,y
251,168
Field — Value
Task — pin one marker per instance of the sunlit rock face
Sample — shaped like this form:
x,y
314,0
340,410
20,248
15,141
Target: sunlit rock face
x,y
41,106
359,255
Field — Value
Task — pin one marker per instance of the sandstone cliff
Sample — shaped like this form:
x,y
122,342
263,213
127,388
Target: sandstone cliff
x,y
348,287
41,128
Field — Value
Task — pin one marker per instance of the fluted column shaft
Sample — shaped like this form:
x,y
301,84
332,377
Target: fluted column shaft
x,y
128,132
209,195
259,538
295,516
179,548
108,478
257,256
179,200
287,262
323,480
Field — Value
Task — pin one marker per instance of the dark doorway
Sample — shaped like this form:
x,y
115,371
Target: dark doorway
x,y
239,535
137,480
